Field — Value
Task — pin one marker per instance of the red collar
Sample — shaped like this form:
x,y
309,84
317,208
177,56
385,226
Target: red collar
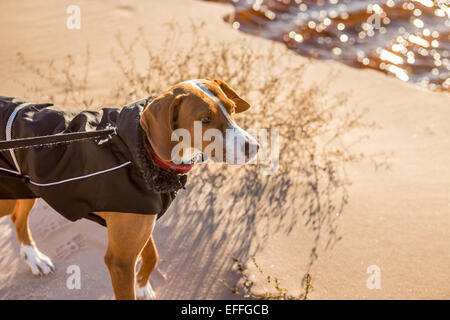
x,y
166,165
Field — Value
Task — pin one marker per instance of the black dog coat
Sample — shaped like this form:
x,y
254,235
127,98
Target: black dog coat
x,y
81,177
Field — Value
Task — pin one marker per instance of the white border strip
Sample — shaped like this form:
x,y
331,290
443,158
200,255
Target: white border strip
x,y
10,171
70,179
9,131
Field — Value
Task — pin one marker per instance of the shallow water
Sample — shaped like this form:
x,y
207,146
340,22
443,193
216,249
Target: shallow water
x,y
407,39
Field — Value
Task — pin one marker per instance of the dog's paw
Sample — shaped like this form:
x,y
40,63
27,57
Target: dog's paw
x,y
39,263
145,293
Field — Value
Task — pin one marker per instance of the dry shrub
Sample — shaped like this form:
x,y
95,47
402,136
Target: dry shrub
x,y
319,134
63,77
277,292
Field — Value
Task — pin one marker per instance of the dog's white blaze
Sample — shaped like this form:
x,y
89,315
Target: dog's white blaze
x,y
38,262
237,133
197,84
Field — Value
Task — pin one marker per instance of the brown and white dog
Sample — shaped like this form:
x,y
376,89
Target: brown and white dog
x,y
213,103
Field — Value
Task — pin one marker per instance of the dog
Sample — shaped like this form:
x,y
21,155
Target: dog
x,y
213,103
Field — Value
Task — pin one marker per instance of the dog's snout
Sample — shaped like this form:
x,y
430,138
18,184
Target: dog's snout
x,y
241,147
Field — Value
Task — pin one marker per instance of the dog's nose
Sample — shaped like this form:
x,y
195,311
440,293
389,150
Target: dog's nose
x,y
251,149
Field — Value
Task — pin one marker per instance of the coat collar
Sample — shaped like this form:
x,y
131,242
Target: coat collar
x,y
133,137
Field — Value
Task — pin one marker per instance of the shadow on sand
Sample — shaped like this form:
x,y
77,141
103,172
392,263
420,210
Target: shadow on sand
x,y
234,211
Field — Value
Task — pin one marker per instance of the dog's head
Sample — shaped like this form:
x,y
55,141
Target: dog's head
x,y
202,107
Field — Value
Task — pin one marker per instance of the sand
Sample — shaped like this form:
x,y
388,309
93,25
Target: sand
x,y
396,219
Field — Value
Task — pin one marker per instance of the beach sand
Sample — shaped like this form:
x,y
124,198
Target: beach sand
x,y
396,219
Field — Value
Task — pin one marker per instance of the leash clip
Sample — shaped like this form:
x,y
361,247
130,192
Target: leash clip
x,y
110,136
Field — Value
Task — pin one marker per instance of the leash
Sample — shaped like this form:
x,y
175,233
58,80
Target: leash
x,y
55,139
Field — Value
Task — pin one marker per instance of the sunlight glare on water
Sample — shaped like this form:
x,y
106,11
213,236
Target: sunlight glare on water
x,y
409,39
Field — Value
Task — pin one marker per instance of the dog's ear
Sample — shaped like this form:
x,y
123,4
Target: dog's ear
x,y
241,104
157,122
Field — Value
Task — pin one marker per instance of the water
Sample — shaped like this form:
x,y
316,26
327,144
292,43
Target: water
x,y
408,39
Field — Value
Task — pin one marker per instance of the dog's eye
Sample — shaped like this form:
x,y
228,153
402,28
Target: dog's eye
x,y
206,120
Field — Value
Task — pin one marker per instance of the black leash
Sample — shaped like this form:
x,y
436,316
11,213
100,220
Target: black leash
x,y
54,139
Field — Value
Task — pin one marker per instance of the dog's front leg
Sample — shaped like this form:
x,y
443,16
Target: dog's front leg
x,y
39,263
149,259
127,235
